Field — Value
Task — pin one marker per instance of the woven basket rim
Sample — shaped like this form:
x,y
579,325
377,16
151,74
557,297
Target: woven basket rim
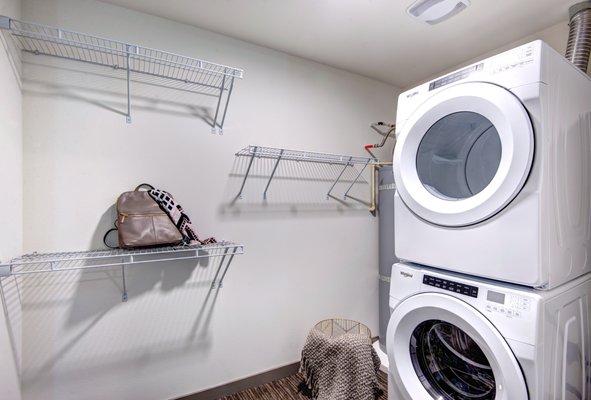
x,y
342,321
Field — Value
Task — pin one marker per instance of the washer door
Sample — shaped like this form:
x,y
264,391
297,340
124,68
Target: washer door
x,y
464,154
440,347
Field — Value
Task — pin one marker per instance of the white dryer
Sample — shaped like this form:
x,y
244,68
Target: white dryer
x,y
493,170
451,337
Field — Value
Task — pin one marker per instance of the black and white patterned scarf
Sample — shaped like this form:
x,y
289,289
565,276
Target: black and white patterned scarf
x,y
181,220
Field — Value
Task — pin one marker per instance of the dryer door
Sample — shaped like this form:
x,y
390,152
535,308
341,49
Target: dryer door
x,y
464,154
440,347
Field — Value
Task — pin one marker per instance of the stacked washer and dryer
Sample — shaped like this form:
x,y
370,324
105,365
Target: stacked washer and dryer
x,y
492,208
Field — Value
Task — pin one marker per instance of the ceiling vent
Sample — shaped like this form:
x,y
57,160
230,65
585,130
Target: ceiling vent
x,y
435,11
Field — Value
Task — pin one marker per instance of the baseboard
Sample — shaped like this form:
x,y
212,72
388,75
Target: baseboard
x,y
243,384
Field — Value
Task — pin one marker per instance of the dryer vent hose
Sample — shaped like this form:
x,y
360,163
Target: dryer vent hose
x,y
579,38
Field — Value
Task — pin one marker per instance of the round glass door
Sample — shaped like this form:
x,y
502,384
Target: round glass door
x,y
449,363
459,155
464,154
440,347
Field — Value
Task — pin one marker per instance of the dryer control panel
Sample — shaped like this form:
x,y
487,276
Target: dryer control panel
x,y
456,76
514,68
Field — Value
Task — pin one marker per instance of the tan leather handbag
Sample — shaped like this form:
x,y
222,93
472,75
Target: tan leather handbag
x,y
141,222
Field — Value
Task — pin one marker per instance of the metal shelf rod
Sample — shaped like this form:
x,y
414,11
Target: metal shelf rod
x,y
102,254
124,295
272,174
237,249
45,263
239,196
124,53
128,116
217,272
305,156
328,194
131,69
227,101
279,155
346,195
221,281
234,72
56,42
217,109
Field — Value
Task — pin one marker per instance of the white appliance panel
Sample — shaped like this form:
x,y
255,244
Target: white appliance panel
x,y
546,331
542,237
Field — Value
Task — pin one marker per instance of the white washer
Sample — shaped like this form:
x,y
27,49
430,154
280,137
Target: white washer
x,y
451,337
493,170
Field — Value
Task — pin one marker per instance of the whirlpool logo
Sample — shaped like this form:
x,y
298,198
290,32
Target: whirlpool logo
x,y
406,274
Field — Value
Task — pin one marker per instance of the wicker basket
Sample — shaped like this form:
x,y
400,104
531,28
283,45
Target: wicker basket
x,y
338,326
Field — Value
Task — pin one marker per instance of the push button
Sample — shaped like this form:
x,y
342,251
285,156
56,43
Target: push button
x,y
451,286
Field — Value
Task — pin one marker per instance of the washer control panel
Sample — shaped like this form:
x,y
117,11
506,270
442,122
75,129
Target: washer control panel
x,y
510,305
451,286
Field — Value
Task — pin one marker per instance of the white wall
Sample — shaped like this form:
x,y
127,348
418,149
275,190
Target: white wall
x,y
556,36
10,143
11,179
306,258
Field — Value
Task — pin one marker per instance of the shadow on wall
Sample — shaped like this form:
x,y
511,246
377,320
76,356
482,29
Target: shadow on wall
x,y
74,322
98,334
105,88
297,188
11,299
14,56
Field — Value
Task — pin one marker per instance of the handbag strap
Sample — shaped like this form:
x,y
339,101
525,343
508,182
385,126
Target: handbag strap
x,y
150,187
107,234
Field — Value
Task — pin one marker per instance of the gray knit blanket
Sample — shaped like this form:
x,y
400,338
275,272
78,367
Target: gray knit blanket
x,y
339,368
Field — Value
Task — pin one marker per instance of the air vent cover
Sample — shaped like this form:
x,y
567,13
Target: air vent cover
x,y
435,11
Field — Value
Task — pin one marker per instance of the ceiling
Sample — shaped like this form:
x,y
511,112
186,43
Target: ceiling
x,y
375,38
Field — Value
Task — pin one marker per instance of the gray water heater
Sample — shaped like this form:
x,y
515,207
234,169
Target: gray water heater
x,y
386,189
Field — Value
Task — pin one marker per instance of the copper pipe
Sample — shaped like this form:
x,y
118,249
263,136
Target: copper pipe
x,y
375,165
372,188
373,203
376,127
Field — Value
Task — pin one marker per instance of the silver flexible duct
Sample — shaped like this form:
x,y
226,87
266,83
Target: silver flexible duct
x,y
579,38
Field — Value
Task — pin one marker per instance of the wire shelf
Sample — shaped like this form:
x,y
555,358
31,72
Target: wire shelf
x,y
55,42
304,156
36,263
298,155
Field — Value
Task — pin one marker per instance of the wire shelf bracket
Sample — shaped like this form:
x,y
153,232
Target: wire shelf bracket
x,y
346,195
37,263
194,74
306,156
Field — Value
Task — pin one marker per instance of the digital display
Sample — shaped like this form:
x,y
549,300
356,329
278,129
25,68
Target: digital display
x,y
496,297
